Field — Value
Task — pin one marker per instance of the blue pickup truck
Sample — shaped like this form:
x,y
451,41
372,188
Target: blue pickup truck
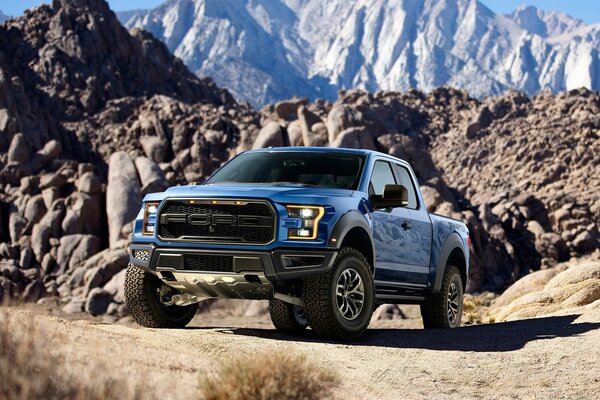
x,y
326,235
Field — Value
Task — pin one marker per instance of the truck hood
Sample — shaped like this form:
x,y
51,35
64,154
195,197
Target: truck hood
x,y
279,193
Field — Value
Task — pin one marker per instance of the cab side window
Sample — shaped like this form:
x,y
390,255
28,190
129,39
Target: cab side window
x,y
406,181
382,175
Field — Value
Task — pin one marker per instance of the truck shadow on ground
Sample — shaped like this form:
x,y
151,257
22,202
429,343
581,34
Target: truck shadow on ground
x,y
498,337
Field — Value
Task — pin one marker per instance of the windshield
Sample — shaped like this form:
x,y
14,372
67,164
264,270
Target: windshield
x,y
332,170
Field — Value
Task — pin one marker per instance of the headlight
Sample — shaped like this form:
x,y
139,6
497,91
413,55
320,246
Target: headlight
x,y
309,217
149,225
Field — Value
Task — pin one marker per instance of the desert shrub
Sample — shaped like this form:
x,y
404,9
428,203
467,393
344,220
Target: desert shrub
x,y
28,370
474,309
269,375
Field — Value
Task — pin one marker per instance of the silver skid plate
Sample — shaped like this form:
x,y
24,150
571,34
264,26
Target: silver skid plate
x,y
252,285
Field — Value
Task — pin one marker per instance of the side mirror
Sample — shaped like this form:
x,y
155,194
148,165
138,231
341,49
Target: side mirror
x,y
393,196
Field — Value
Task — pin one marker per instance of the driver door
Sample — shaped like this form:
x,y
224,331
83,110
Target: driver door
x,y
391,234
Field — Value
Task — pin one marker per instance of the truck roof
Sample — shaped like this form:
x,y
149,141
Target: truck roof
x,y
316,149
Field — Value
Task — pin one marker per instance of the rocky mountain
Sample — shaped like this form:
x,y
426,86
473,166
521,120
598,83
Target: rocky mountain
x,y
93,116
519,170
3,17
268,50
544,23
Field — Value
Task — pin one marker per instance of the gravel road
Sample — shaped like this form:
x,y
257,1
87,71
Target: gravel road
x,y
551,357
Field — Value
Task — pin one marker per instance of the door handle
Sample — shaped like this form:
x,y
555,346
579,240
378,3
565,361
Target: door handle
x,y
406,225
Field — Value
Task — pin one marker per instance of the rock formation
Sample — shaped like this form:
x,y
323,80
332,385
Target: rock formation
x,y
93,117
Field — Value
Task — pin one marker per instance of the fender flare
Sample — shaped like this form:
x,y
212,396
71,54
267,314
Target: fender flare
x,y
348,221
452,242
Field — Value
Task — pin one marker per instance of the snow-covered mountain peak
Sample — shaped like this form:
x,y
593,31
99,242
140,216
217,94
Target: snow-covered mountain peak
x,y
544,23
3,17
266,50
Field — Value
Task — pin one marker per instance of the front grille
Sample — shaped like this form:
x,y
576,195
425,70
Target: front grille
x,y
246,223
208,263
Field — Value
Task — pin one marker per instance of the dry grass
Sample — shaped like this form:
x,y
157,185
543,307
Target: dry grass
x,y
476,309
28,370
269,375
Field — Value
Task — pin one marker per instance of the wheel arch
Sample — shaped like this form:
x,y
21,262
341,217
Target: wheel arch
x,y
352,230
452,253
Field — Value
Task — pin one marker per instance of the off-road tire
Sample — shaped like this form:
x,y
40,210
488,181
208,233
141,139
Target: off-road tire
x,y
319,298
145,306
285,316
434,310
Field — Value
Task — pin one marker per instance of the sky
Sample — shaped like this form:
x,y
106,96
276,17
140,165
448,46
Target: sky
x,y
587,10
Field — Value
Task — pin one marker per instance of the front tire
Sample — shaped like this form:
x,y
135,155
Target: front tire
x,y
145,297
444,309
287,317
339,303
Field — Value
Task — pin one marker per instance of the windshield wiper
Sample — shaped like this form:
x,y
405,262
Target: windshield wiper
x,y
292,183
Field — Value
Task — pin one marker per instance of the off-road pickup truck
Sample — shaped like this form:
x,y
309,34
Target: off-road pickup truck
x,y
326,235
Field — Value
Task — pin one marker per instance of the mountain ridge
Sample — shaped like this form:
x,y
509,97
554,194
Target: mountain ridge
x,y
3,17
268,51
544,23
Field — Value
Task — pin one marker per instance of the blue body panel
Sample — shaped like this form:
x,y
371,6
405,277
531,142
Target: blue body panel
x,y
403,257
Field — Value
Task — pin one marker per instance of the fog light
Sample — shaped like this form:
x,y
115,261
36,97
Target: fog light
x,y
303,232
141,255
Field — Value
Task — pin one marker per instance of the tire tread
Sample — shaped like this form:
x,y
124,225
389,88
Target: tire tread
x,y
142,307
282,316
319,309
433,310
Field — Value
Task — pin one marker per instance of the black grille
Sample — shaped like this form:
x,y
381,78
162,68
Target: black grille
x,y
251,223
208,263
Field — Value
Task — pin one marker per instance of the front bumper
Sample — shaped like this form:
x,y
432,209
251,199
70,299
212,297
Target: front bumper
x,y
276,265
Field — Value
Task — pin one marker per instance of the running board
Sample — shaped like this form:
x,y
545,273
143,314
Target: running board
x,y
399,297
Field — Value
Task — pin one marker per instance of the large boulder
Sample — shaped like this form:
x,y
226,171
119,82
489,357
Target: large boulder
x,y
270,135
287,110
340,118
35,210
40,236
123,195
533,282
294,131
577,286
314,131
116,287
89,183
83,209
18,151
16,225
102,270
97,301
356,138
151,176
155,148
51,150
74,249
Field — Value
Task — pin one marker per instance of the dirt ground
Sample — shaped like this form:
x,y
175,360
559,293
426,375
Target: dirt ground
x,y
552,357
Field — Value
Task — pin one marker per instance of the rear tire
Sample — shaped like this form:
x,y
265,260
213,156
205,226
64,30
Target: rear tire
x,y
339,303
287,317
443,310
144,302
